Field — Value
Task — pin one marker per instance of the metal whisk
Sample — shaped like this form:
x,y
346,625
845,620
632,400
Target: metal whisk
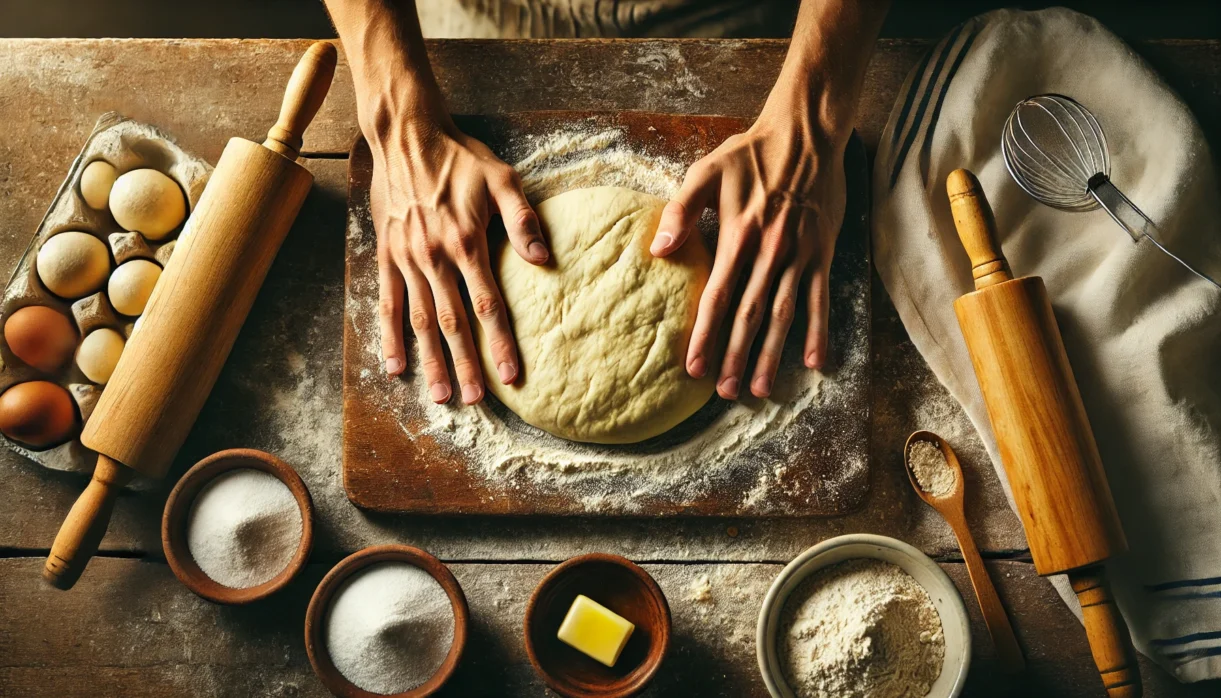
x,y
1056,151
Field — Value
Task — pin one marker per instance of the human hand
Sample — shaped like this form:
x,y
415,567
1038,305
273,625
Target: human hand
x,y
433,193
779,191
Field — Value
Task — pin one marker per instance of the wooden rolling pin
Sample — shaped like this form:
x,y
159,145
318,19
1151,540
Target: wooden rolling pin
x,y
1042,432
200,302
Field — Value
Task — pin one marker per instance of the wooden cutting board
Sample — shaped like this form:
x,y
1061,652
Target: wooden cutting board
x,y
400,455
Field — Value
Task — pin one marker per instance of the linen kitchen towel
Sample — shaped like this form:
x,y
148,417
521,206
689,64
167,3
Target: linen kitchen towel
x,y
1143,334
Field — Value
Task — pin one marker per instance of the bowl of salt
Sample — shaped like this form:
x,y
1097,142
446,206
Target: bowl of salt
x,y
390,620
238,526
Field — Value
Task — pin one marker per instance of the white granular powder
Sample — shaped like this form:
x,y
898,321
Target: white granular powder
x,y
390,627
931,469
244,528
861,629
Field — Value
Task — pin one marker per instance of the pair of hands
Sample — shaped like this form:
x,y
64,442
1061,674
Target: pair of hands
x,y
778,188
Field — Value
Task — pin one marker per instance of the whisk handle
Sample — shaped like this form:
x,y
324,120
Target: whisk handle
x,y
976,229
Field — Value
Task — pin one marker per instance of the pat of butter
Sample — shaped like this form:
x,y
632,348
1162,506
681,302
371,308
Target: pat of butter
x,y
595,630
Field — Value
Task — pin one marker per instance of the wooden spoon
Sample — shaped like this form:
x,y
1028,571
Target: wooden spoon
x,y
951,509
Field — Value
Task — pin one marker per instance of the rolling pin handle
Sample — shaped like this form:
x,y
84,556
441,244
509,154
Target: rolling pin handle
x,y
1110,641
83,529
303,97
976,229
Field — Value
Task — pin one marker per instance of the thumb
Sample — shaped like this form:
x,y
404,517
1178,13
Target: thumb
x,y
684,210
521,223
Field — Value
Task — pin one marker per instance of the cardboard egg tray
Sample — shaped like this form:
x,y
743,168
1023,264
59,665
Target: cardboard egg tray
x,y
127,145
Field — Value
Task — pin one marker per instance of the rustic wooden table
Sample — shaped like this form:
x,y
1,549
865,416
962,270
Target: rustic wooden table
x,y
130,629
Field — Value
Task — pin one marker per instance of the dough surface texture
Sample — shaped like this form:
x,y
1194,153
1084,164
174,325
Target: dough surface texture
x,y
602,328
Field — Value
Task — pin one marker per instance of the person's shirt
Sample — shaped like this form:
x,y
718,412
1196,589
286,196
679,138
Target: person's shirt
x,y
510,19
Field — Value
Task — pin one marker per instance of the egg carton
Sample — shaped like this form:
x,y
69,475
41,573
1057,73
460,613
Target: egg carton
x,y
127,145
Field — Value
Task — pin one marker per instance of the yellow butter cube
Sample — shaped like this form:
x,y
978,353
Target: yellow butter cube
x,y
595,630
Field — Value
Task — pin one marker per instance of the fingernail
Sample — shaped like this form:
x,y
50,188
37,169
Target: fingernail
x,y
394,366
439,392
661,243
507,372
763,386
729,387
812,360
696,368
538,251
471,393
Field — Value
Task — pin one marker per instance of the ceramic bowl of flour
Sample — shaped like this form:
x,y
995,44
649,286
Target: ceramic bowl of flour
x,y
836,616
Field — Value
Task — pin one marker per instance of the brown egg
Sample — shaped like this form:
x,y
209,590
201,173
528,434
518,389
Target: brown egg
x,y
37,414
41,337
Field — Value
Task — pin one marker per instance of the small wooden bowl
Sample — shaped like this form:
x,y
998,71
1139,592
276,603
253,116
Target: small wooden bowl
x,y
320,605
621,586
178,506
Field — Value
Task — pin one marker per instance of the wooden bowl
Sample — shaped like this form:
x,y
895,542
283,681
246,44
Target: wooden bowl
x,y
621,586
178,506
320,604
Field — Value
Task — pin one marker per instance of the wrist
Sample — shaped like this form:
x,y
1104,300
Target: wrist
x,y
398,109
812,103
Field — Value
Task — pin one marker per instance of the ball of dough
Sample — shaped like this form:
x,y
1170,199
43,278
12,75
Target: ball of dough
x,y
73,264
96,181
131,285
41,337
147,202
99,353
602,329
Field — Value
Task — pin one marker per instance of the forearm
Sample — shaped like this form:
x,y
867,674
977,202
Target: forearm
x,y
390,69
824,70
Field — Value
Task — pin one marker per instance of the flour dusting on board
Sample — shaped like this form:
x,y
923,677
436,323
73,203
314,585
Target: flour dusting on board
x,y
696,457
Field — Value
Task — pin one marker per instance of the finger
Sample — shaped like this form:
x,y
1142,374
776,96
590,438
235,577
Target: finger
x,y
751,310
488,306
681,214
521,223
422,311
818,309
714,301
390,292
784,309
451,318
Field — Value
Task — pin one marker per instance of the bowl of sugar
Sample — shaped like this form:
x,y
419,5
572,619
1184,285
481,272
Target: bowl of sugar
x,y
390,620
238,526
863,615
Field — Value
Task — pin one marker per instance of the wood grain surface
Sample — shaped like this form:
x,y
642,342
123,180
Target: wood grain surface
x,y
393,462
131,629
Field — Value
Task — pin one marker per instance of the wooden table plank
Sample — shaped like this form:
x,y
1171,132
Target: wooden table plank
x,y
164,641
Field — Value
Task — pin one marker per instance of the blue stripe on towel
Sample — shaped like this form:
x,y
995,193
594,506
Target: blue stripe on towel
x,y
924,100
1191,655
927,145
1184,639
1183,583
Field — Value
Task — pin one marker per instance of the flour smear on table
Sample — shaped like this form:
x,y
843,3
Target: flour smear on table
x,y
504,449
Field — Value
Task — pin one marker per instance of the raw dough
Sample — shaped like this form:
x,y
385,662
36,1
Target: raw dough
x,y
73,264
602,329
99,353
131,285
148,202
96,181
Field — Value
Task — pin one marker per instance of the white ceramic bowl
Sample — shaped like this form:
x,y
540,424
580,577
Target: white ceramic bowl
x,y
944,594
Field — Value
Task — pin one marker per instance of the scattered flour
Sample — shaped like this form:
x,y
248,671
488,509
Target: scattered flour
x,y
720,443
931,469
861,629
